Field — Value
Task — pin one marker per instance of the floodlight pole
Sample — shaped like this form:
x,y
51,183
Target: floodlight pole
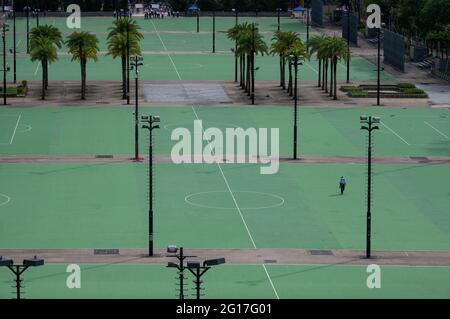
x,y
370,127
37,16
198,21
18,270
214,31
4,61
295,106
278,11
348,41
307,27
253,64
28,28
198,273
128,63
14,40
235,52
151,120
379,66
135,65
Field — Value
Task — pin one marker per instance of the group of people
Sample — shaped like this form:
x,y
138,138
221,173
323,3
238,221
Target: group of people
x,y
159,14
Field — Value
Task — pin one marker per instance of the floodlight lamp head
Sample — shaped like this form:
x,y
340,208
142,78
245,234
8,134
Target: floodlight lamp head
x,y
193,264
363,118
213,262
376,127
5,262
145,117
155,127
172,249
146,126
364,128
375,119
172,265
156,118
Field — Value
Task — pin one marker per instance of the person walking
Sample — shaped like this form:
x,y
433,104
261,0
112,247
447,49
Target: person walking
x,y
342,184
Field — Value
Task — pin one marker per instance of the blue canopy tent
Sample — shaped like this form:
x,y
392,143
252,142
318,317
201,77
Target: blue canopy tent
x,y
299,9
194,7
298,12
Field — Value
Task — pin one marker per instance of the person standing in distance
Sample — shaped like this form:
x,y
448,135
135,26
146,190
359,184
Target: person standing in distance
x,y
342,184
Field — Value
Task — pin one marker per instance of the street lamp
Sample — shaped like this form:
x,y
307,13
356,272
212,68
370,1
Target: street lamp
x,y
18,270
36,12
214,31
253,64
278,12
295,60
198,20
128,63
135,64
150,120
348,40
369,124
13,11
235,49
307,24
172,251
27,9
198,271
5,67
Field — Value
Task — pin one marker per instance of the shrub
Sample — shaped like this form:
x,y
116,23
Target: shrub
x,y
406,85
358,93
348,88
414,91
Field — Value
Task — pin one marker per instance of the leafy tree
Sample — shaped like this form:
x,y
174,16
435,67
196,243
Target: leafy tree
x,y
44,51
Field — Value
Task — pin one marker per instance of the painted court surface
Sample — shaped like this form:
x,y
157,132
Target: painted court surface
x,y
57,204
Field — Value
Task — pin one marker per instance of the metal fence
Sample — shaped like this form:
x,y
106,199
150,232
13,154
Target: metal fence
x,y
394,50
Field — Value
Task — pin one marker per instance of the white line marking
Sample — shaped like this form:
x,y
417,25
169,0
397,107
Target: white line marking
x,y
15,129
271,283
395,133
311,67
165,48
220,168
444,135
18,43
8,199
37,68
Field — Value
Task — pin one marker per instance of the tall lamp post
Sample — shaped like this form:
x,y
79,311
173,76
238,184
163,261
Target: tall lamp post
x,y
18,270
214,31
348,40
369,124
150,126
253,64
295,61
27,9
198,20
308,11
5,67
135,64
128,63
172,251
198,271
278,13
13,11
235,49
36,12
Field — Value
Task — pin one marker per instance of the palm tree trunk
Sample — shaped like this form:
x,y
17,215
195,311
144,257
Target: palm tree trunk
x,y
46,74
323,74
335,81
83,79
331,77
43,78
319,73
242,71
326,76
284,74
249,64
124,77
281,70
290,80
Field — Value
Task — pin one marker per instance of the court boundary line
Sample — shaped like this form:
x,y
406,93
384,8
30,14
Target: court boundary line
x,y
395,133
220,168
15,130
444,135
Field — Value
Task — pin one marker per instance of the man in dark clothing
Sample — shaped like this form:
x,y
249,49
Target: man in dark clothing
x,y
342,184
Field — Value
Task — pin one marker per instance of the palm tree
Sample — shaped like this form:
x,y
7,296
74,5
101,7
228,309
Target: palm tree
x,y
314,44
52,34
283,42
337,51
123,40
83,46
44,51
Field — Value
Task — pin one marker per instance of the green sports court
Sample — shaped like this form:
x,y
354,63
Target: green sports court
x,y
68,182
